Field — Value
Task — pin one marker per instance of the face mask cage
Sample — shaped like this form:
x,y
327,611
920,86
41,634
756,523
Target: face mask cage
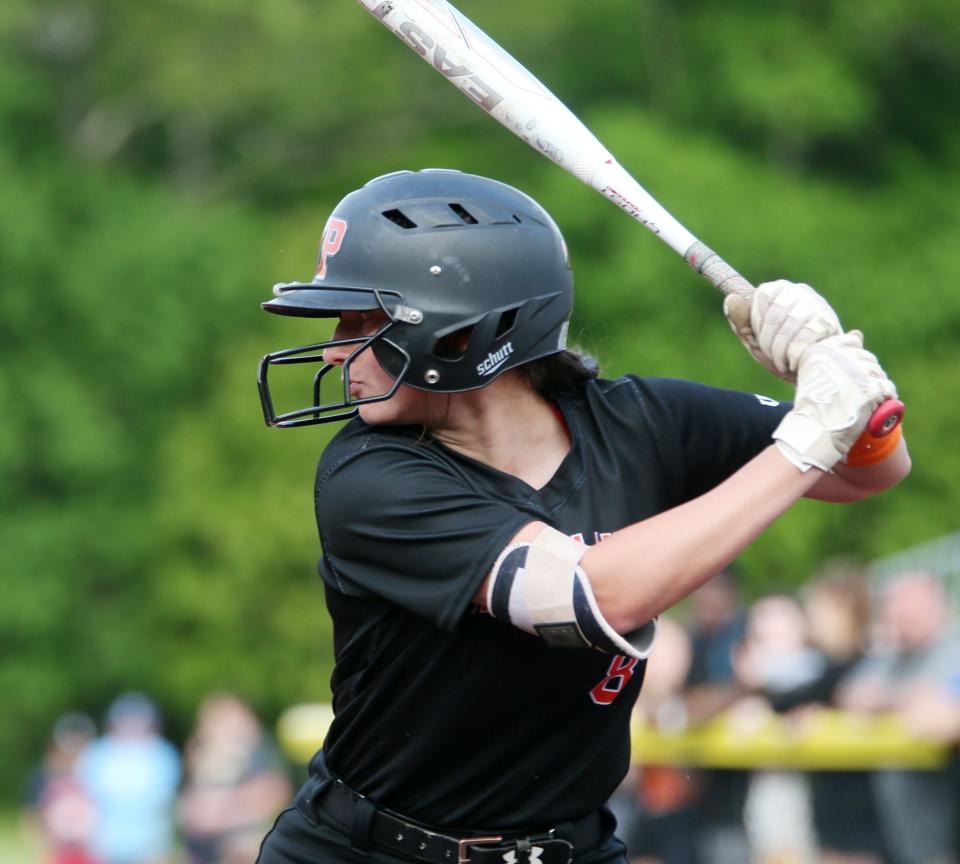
x,y
325,412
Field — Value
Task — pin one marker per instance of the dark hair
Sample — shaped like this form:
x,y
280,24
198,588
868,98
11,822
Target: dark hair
x,y
561,373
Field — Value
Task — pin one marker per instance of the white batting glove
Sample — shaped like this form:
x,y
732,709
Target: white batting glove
x,y
839,385
779,322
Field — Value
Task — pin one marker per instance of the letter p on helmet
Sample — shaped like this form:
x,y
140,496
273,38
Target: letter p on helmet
x,y
330,244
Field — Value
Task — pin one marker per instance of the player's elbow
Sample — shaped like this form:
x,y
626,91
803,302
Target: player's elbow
x,y
888,473
849,484
905,466
624,607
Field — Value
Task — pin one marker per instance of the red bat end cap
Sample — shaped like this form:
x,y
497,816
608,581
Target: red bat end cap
x,y
881,436
886,418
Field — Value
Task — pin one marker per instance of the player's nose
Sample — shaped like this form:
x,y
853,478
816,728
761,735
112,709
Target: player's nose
x,y
335,355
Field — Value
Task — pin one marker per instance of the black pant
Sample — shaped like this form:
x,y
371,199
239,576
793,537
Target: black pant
x,y
305,834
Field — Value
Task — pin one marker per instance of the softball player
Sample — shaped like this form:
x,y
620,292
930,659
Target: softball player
x,y
501,527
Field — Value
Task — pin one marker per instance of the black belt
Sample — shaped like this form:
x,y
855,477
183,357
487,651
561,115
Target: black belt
x,y
358,818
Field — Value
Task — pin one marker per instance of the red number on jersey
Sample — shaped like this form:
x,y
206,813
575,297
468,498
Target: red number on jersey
x,y
620,672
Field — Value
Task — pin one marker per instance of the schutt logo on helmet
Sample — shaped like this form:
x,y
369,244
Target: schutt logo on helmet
x,y
495,360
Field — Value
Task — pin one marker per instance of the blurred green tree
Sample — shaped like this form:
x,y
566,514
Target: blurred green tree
x,y
163,163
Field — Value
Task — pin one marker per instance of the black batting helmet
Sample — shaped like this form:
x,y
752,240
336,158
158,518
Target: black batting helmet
x,y
440,252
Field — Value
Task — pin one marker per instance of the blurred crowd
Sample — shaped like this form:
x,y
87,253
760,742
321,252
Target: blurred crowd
x,y
127,795
841,644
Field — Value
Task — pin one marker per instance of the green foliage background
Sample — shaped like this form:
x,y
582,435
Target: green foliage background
x,y
162,164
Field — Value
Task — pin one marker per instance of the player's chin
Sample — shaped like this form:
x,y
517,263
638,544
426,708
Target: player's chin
x,y
386,413
407,407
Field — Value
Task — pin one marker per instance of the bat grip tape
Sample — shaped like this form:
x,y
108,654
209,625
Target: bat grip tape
x,y
717,271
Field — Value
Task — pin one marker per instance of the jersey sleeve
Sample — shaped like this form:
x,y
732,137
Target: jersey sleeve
x,y
400,526
708,432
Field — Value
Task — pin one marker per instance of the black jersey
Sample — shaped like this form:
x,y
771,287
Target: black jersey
x,y
443,713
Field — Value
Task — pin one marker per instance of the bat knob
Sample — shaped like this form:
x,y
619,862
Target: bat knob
x,y
886,418
878,440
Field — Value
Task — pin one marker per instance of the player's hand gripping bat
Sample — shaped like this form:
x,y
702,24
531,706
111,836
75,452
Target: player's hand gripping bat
x,y
489,76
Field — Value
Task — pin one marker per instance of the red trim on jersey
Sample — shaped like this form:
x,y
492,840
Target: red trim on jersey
x,y
559,415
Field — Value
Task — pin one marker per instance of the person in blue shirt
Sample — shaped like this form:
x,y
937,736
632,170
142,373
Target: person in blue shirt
x,y
132,773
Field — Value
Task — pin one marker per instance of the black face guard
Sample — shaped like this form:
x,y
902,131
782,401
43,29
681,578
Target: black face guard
x,y
330,411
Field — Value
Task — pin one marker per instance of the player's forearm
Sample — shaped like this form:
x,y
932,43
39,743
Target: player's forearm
x,y
847,483
645,568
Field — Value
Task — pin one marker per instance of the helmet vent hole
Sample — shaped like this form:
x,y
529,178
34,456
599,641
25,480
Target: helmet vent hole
x,y
464,214
454,345
516,218
505,325
398,217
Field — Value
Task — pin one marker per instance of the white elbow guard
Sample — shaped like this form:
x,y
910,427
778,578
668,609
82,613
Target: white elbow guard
x,y
540,588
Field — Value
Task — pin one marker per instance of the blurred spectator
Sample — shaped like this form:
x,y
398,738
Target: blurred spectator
x,y
654,806
774,657
912,674
62,812
235,784
132,773
837,609
716,626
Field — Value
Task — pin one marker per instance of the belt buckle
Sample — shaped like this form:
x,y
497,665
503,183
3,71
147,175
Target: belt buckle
x,y
463,856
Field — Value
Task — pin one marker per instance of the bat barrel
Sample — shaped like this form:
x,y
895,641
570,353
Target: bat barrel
x,y
489,76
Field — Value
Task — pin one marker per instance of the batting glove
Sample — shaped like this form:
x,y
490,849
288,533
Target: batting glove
x,y
779,322
839,385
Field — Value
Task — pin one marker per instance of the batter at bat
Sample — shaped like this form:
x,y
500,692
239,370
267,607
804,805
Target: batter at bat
x,y
470,60
501,526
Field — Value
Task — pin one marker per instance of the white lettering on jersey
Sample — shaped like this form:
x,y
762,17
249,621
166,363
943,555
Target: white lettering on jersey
x,y
766,400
